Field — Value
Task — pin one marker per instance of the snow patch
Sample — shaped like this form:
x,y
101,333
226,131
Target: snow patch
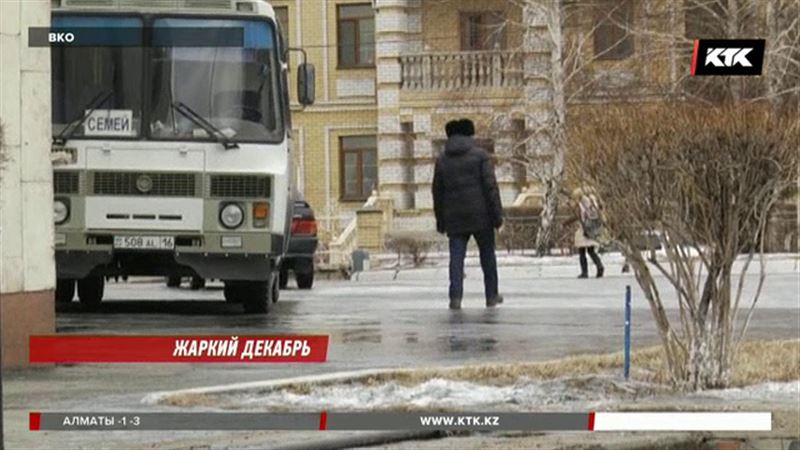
x,y
772,391
443,393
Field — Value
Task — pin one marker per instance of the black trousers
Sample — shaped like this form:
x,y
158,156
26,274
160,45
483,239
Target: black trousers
x,y
592,254
458,250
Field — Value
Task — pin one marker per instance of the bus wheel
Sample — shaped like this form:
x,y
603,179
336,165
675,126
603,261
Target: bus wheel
x,y
173,282
90,291
233,292
304,279
276,290
283,277
65,290
256,296
197,283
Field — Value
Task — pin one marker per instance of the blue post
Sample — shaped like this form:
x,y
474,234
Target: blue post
x,y
627,366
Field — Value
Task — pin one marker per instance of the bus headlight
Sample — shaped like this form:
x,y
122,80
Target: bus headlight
x,y
231,215
60,211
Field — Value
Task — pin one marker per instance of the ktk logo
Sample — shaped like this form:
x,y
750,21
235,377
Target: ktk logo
x,y
728,56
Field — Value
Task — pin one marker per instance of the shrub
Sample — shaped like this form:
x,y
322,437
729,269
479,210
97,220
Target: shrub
x,y
413,245
520,226
706,179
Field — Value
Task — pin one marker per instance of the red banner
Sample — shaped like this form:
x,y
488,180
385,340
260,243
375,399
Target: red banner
x,y
178,349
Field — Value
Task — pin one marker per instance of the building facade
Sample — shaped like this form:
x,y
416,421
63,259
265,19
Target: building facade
x,y
27,266
391,73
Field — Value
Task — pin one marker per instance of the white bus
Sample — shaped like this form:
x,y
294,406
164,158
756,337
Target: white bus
x,y
171,131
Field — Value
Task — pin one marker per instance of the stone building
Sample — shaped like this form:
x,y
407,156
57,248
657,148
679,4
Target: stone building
x,y
27,269
393,72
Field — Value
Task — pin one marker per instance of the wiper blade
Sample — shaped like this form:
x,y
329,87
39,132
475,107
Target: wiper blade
x,y
92,106
200,121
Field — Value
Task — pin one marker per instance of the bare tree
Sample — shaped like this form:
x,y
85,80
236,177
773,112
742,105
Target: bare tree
x,y
777,21
552,131
580,72
705,179
565,32
583,54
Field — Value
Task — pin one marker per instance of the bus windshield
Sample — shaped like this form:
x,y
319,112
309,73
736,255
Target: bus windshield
x,y
107,80
233,88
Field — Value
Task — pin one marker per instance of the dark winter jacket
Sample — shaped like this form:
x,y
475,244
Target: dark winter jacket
x,y
465,194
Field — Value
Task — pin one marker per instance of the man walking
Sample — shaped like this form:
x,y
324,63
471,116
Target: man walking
x,y
466,202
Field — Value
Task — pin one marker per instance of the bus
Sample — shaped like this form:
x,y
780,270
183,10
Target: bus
x,y
171,139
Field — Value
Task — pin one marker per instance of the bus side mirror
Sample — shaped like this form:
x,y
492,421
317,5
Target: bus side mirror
x,y
306,75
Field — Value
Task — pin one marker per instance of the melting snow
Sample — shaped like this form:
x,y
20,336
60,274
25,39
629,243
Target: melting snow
x,y
442,393
788,391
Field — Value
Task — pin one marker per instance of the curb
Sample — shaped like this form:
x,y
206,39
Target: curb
x,y
156,397
364,440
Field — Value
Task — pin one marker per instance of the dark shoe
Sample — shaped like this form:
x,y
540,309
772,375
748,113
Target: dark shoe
x,y
455,303
583,275
491,303
600,271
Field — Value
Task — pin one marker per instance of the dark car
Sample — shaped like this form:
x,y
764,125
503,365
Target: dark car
x,y
302,245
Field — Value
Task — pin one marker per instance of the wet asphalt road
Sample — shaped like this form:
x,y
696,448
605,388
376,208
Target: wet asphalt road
x,y
372,324
407,323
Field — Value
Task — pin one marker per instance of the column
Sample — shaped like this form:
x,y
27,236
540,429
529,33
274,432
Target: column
x,y
27,268
538,87
395,21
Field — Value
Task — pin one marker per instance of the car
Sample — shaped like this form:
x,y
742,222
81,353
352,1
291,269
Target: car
x,y
303,242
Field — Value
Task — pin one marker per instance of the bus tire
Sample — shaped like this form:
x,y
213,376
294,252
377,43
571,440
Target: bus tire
x,y
233,292
65,290
304,280
173,282
283,277
90,291
256,296
276,290
197,283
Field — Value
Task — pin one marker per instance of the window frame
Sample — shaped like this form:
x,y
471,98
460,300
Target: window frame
x,y
605,12
463,20
276,137
359,151
148,19
356,38
142,134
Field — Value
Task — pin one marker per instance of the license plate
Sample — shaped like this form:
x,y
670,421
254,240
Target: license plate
x,y
144,242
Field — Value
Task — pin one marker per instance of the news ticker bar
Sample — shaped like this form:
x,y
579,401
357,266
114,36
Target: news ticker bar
x,y
177,349
366,421
134,37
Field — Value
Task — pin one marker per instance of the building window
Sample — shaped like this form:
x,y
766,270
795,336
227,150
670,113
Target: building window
x,y
484,30
282,16
612,21
356,28
359,167
704,19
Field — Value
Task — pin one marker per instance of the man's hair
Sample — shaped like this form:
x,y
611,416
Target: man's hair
x,y
466,127
452,128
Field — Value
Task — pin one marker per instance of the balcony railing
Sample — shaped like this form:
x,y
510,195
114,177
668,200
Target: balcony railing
x,y
475,69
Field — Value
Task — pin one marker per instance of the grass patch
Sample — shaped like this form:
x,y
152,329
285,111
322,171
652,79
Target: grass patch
x,y
756,362
189,400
